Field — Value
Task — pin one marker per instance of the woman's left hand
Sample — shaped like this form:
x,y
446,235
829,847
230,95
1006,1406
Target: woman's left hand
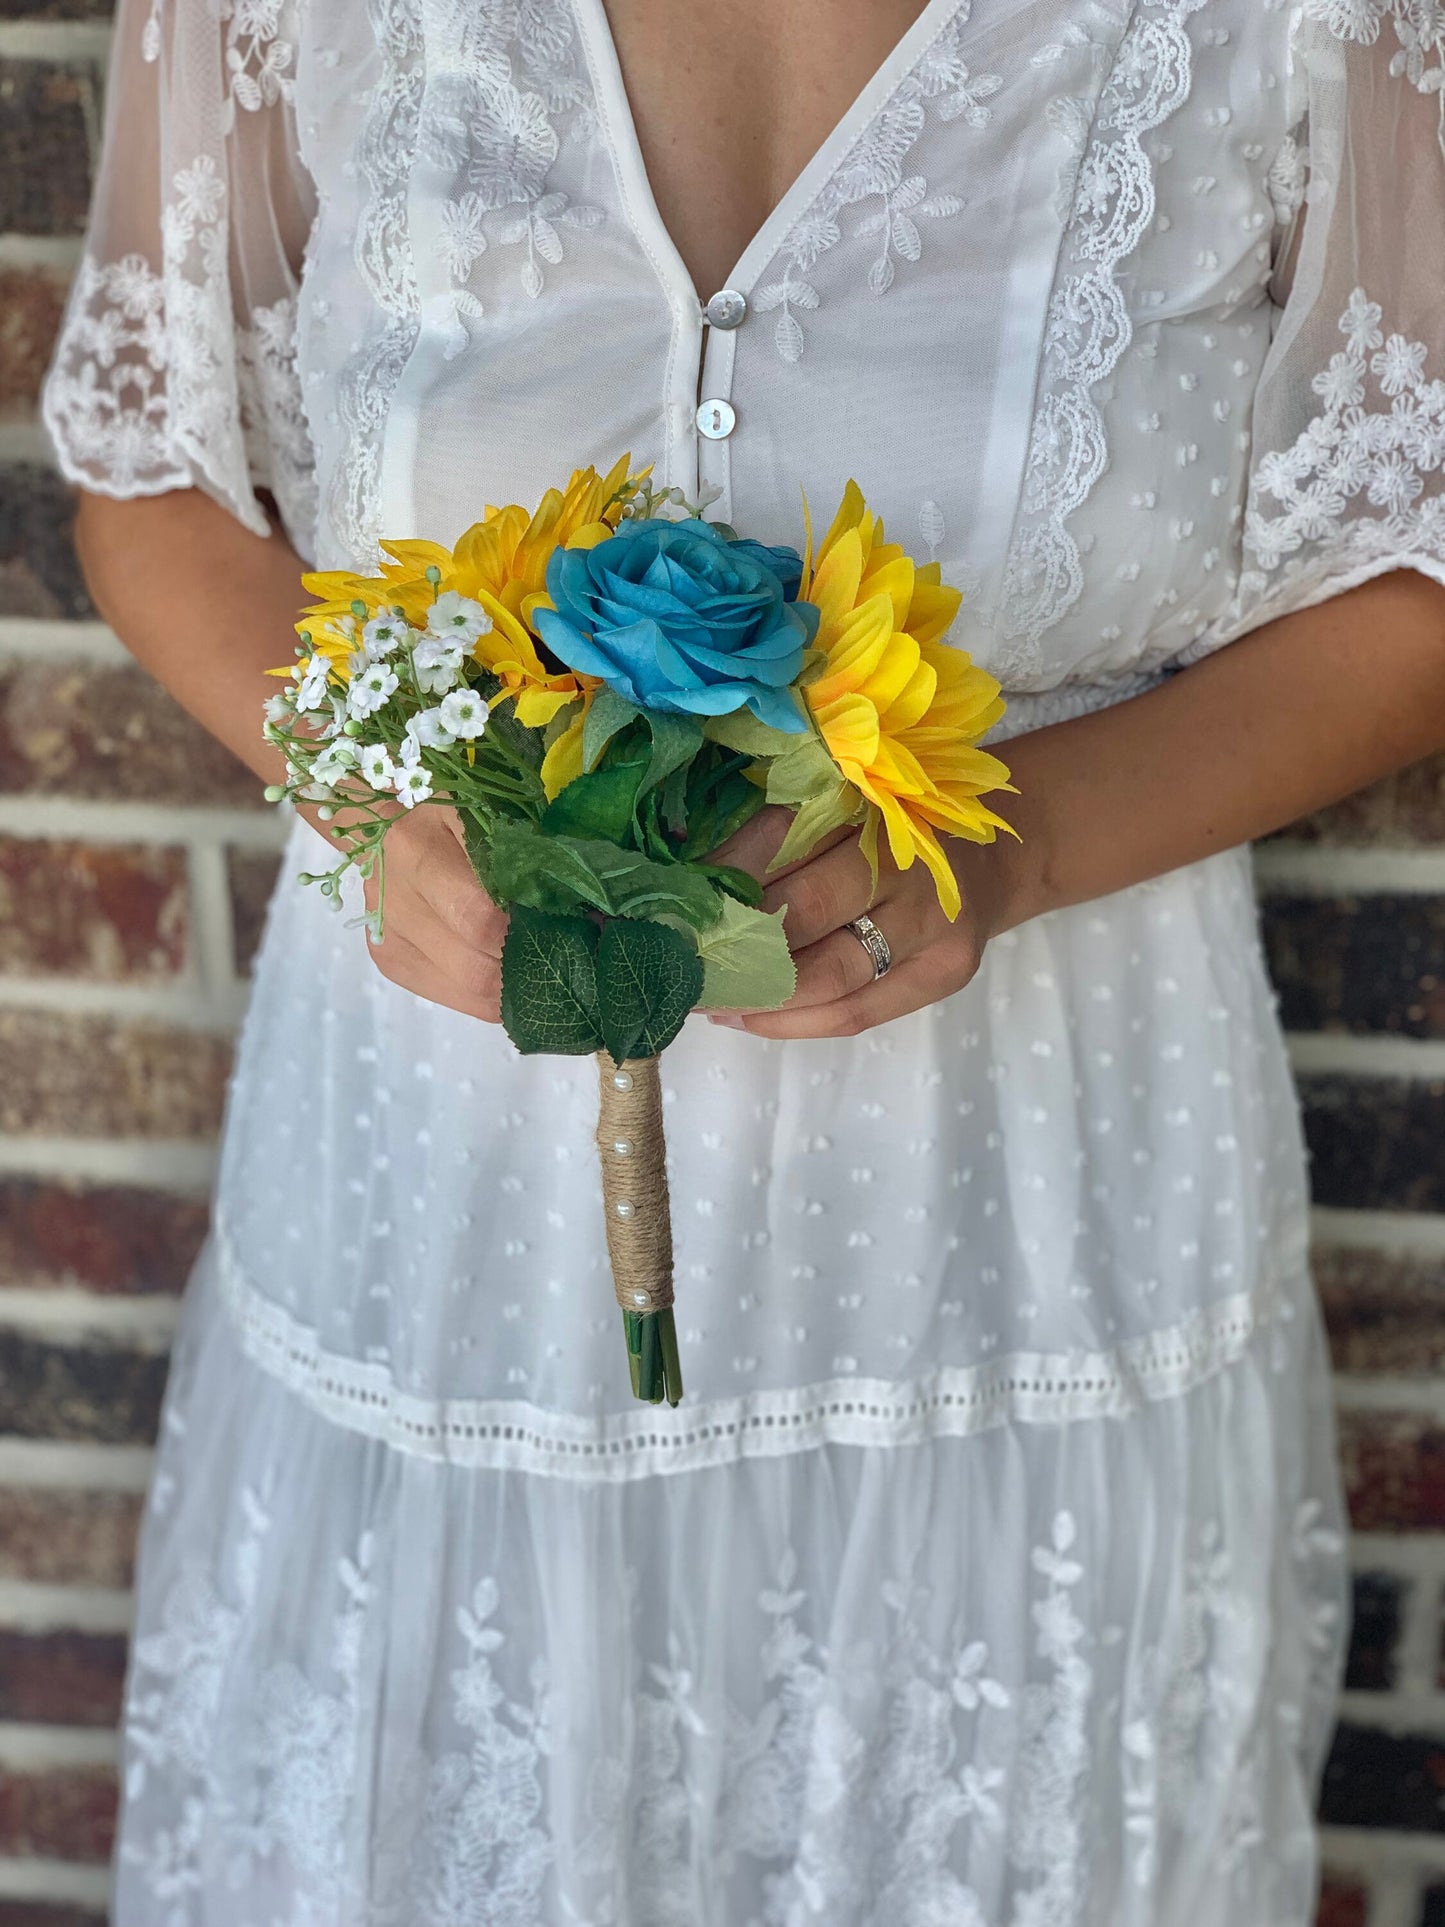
x,y
838,994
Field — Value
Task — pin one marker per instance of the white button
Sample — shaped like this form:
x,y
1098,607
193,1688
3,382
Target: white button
x,y
727,308
716,420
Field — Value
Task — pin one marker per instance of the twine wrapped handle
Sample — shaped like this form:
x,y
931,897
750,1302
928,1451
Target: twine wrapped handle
x,y
632,1150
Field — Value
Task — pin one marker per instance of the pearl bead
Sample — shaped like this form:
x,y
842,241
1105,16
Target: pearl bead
x,y
622,1080
625,1208
623,1147
639,1297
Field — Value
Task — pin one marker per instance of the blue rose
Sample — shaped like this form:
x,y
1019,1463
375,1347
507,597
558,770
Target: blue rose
x,y
677,615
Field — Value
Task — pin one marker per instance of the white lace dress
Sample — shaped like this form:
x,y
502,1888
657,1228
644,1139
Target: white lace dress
x,y
991,1573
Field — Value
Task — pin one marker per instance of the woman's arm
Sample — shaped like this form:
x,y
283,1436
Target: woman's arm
x,y
208,608
1295,715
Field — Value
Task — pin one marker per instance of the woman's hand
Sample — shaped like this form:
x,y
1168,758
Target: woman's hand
x,y
837,994
442,934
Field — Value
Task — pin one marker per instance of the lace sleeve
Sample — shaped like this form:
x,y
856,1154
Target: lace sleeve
x,y
176,365
1348,436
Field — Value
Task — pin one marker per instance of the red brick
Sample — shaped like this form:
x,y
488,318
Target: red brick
x,y
99,1077
68,1538
112,733
1394,1466
32,301
1385,1311
252,877
1405,810
1343,1903
112,913
106,1238
67,1814
62,1679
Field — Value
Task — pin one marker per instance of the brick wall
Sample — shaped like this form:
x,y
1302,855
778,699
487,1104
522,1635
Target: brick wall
x,y
134,865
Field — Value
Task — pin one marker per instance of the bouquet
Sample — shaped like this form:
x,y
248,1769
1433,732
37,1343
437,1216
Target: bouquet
x,y
605,690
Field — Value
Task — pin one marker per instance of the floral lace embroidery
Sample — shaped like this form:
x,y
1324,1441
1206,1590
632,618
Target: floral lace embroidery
x,y
259,60
1419,28
1371,446
154,383
873,169
1089,327
385,155
290,1794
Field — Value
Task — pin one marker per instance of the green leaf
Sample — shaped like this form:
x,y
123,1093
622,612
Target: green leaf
x,y
676,740
561,874
815,819
674,801
746,963
602,804
607,714
549,983
741,731
741,884
804,772
649,977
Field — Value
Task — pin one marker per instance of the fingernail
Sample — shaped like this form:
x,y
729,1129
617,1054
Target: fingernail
x,y
727,1020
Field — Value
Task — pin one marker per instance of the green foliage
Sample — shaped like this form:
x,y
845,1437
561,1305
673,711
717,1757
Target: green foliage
x,y
602,804
607,714
649,977
676,741
562,874
549,983
746,962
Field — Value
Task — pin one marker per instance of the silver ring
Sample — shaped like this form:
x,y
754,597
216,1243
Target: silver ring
x,y
875,943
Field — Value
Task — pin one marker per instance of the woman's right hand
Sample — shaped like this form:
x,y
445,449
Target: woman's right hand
x,y
442,934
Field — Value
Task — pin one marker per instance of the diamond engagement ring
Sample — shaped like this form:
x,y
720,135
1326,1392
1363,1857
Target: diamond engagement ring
x,y
875,943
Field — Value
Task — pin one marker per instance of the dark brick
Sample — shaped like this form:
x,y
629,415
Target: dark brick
x,y
107,1238
40,1913
252,876
1376,1143
112,913
96,1393
60,1538
32,301
1343,1903
39,573
67,1814
62,1679
1359,965
46,112
111,734
101,1077
1374,1631
1394,1468
1377,1779
55,9
1405,810
1385,1311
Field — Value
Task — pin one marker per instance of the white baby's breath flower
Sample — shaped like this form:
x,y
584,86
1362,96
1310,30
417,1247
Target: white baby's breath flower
x,y
377,767
413,785
428,731
278,709
382,635
311,673
457,618
371,690
438,664
334,762
464,713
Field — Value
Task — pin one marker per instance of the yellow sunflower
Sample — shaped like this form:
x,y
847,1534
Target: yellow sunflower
x,y
900,711
500,563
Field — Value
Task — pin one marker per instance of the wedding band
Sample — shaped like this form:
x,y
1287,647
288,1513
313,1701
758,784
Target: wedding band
x,y
874,942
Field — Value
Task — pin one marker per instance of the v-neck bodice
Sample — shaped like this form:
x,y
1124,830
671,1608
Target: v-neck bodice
x,y
605,59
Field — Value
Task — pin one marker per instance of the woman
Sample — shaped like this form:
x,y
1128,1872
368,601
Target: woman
x,y
992,1570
